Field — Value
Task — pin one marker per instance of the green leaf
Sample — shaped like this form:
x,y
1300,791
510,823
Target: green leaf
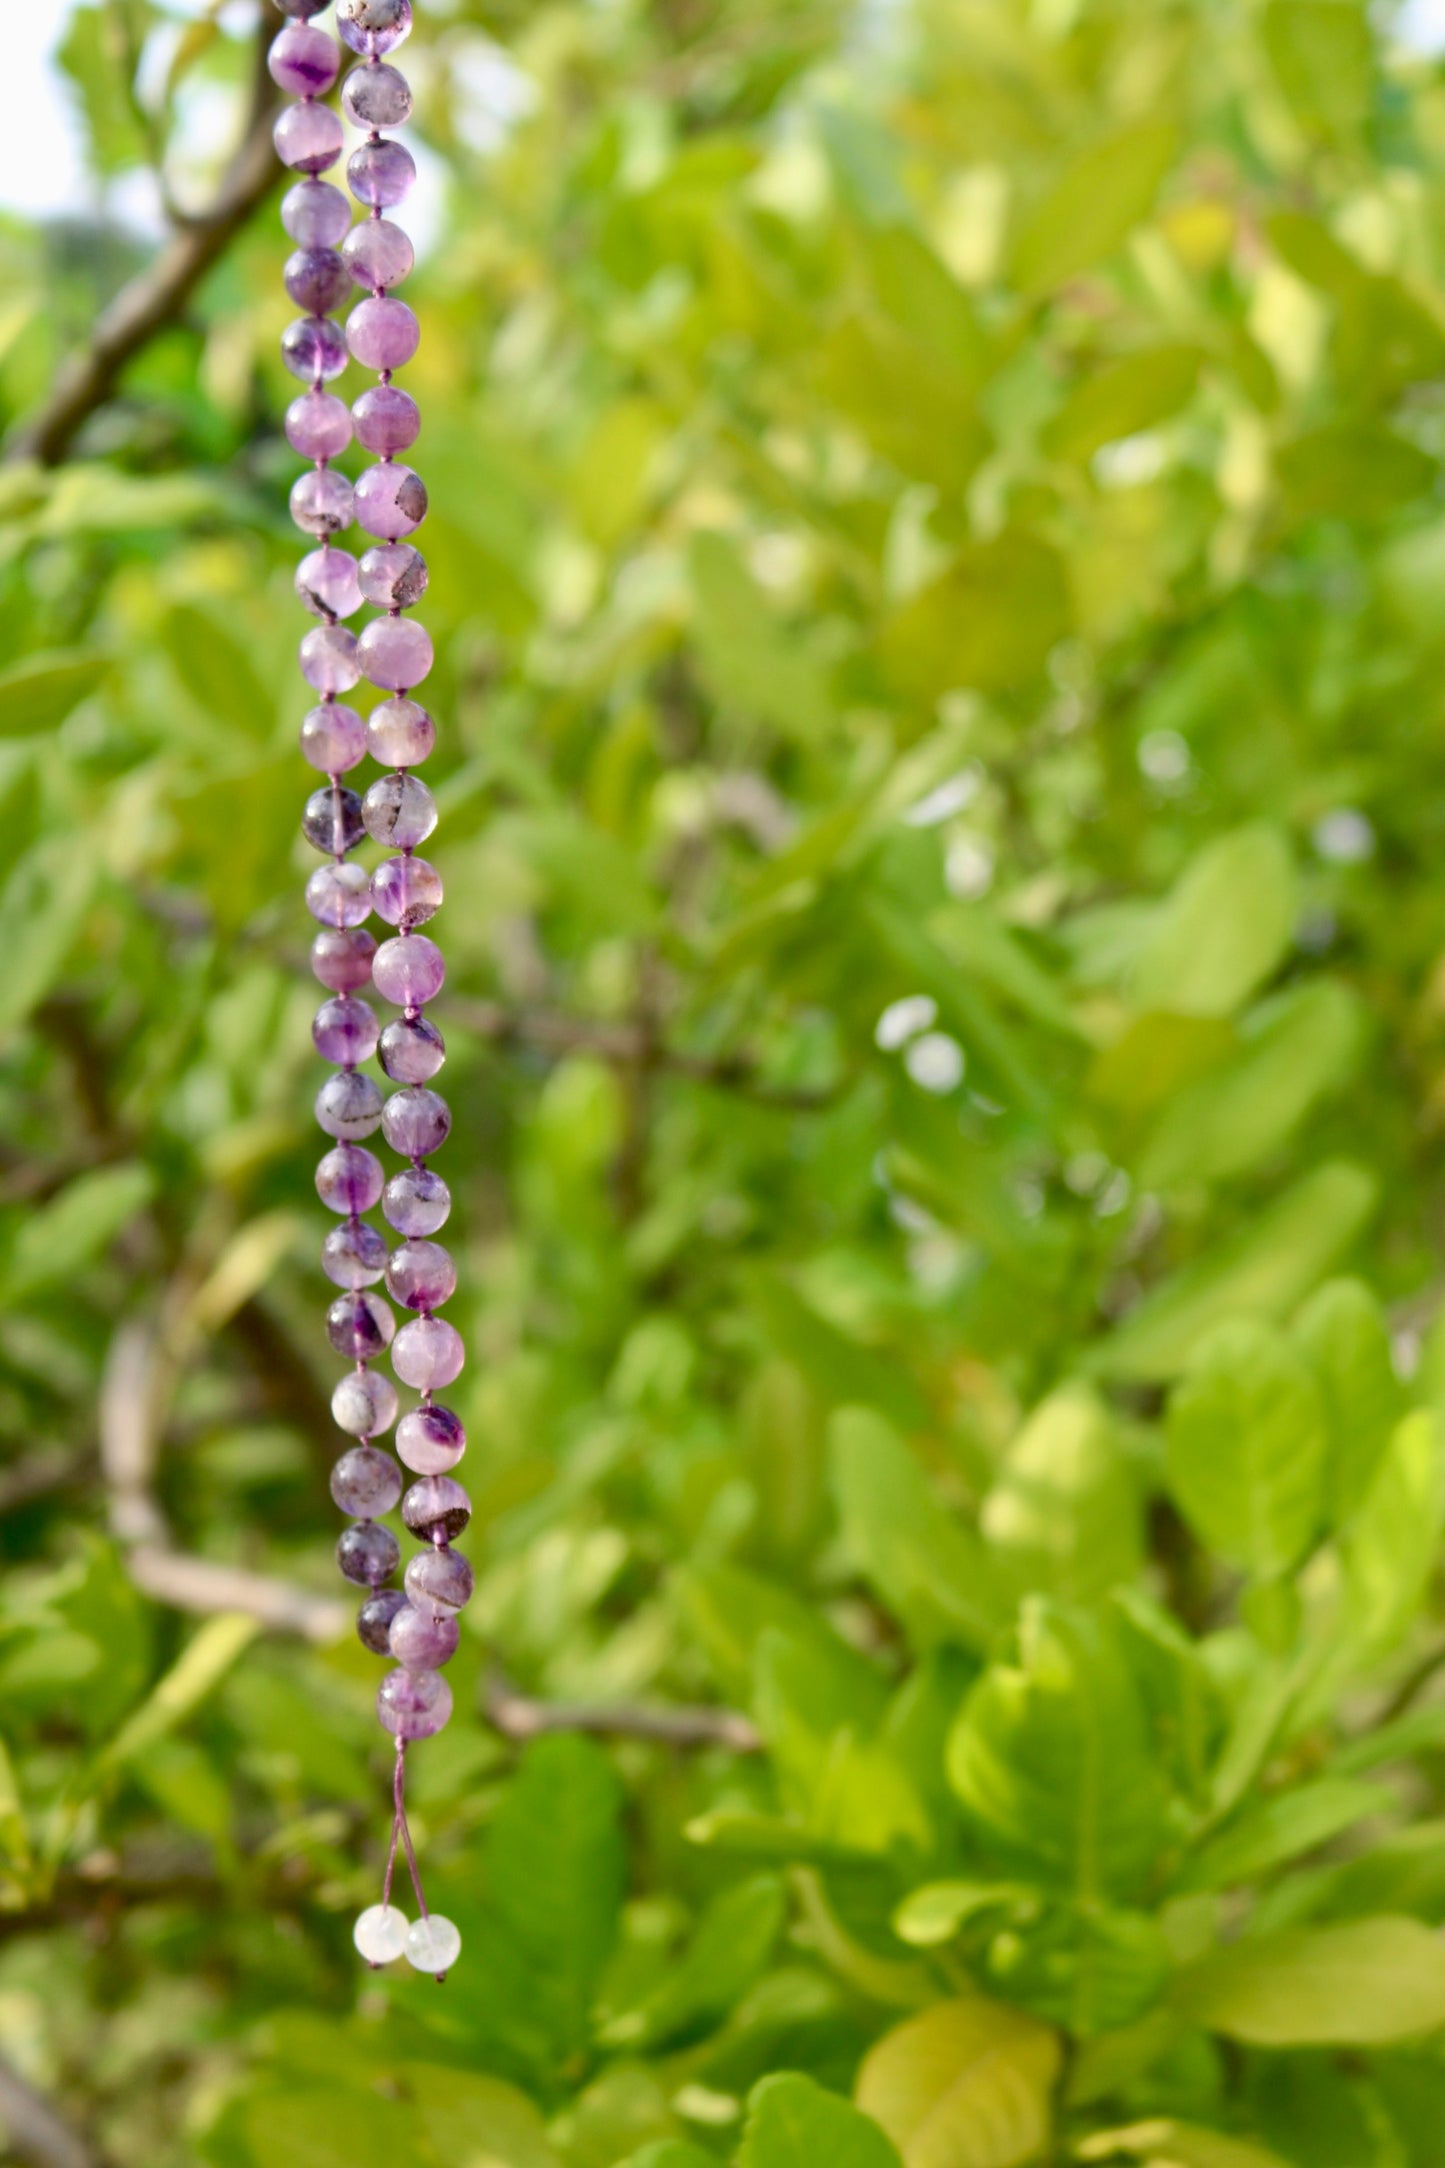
x,y
59,1239
730,1949
755,664
1093,206
1363,1983
922,1562
965,2084
1064,1514
43,905
1126,396
36,695
672,2153
1223,929
196,1673
793,2123
14,1834
1389,1549
988,622
1246,1448
1281,1828
464,2115
1350,470
1321,53
1088,1969
1341,1331
934,1913
1167,2144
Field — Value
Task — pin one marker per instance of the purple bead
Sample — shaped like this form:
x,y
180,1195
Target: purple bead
x,y
368,1554
373,1620
390,502
308,137
416,1122
421,1641
329,661
318,426
378,254
366,1482
354,1255
431,1440
428,1353
439,1581
304,63
333,739
326,582
436,1508
331,820
315,213
345,1031
341,958
382,332
300,8
376,97
399,810
377,26
322,503
364,1404
348,1105
396,653
406,891
417,1201
421,1276
388,419
409,970
394,577
361,1325
341,896
414,1704
349,1179
380,174
412,1050
399,733
314,349
317,280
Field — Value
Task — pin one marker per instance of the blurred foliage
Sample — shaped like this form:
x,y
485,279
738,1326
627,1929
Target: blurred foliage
x,y
936,560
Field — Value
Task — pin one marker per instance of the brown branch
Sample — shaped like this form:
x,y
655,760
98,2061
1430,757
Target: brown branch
x,y
519,1718
35,2130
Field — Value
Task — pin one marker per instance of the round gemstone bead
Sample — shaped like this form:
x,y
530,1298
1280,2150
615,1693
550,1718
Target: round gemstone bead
x,y
417,1202
314,349
373,1620
366,1482
424,1640
376,97
360,1325
439,1581
414,1704
396,653
341,958
318,426
378,254
399,733
388,419
329,661
331,820
399,810
354,1255
433,1945
326,582
341,896
368,1554
409,970
344,1031
393,577
412,1050
308,137
304,63
390,502
315,213
382,332
317,280
380,174
322,503
428,1353
333,738
416,1121
421,1275
360,24
300,8
381,1931
348,1105
436,1508
406,891
431,1440
364,1405
350,1179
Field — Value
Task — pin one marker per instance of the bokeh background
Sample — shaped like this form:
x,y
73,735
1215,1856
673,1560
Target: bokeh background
x,y
938,552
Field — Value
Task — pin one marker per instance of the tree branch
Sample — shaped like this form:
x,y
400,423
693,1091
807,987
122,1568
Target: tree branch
x,y
35,2130
517,1717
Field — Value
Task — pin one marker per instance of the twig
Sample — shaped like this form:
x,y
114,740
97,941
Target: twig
x,y
188,1583
35,2130
51,1469
517,1717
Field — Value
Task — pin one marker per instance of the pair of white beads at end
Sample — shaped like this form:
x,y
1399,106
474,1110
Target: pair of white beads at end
x,y
430,1945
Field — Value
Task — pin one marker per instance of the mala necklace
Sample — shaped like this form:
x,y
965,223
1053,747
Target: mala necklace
x,y
417,1627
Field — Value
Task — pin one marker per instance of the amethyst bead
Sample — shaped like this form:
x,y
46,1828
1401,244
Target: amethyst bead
x,y
364,1404
366,1482
373,1620
406,891
431,1440
301,8
314,349
304,63
395,576
417,1202
399,733
315,213
368,1554
349,1179
362,27
414,1704
348,1105
378,254
331,820
380,174
436,1508
326,582
416,1121
376,97
428,1353
318,426
399,810
421,1276
388,419
329,661
317,280
345,1031
396,653
361,1325
390,502
322,503
354,1255
308,137
412,1050
341,896
333,739
409,970
420,1641
341,958
439,1581
382,332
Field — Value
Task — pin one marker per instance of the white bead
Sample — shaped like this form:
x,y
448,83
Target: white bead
x,y
381,1934
433,1944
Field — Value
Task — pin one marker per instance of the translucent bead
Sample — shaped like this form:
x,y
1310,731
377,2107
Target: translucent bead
x,y
439,1581
373,1620
317,280
400,733
350,1179
378,254
326,582
406,891
380,1933
410,970
344,1031
304,63
416,1122
421,1275
322,503
380,174
329,661
318,426
393,578
315,213
436,1509
341,958
360,1325
431,1440
390,502
424,1640
364,1405
368,1554
414,1704
433,1945
366,1482
314,349
396,653
301,8
331,819
428,1353
308,137
388,419
376,97
348,1105
361,25
399,810
382,332
412,1050
417,1202
333,739
341,896
354,1255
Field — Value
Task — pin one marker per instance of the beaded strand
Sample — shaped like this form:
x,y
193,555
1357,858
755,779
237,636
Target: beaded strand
x,y
416,1626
